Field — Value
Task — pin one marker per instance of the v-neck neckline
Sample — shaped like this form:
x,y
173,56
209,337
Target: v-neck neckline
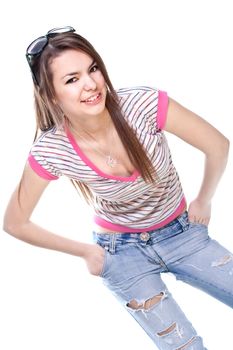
x,y
91,165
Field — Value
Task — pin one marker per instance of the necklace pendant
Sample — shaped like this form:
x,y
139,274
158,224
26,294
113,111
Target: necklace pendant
x,y
111,161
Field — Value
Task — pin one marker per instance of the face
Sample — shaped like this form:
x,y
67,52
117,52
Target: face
x,y
79,85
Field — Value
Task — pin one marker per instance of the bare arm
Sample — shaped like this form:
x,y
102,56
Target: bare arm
x,y
197,132
17,223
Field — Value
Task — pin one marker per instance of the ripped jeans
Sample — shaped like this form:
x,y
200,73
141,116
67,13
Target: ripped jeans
x,y
132,271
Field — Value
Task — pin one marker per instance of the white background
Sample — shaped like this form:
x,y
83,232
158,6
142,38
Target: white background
x,y
47,299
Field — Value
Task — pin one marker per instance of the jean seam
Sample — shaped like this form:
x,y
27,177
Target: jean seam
x,y
105,263
200,280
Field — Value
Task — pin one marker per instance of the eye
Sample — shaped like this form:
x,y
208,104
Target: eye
x,y
72,80
94,68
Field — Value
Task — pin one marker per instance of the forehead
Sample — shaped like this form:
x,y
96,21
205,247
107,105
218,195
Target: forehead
x,y
70,60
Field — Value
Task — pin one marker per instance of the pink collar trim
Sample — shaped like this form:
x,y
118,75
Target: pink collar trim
x,y
87,161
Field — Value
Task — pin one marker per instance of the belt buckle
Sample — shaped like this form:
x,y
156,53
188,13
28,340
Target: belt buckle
x,y
144,236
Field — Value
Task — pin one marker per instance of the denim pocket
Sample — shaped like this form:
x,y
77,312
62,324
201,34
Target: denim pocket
x,y
105,262
197,224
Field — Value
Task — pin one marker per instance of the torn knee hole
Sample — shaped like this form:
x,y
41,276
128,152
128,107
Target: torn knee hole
x,y
175,328
187,344
167,330
147,304
222,261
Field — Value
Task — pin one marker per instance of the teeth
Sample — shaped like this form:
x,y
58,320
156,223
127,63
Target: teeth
x,y
91,99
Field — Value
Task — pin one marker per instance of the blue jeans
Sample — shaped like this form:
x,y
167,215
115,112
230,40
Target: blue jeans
x,y
132,271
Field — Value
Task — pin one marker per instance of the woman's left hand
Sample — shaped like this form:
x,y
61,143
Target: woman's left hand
x,y
199,212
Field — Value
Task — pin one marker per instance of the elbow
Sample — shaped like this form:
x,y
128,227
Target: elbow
x,y
222,148
11,227
226,146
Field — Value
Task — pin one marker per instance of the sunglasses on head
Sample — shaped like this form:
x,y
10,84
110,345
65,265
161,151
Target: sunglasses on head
x,y
35,49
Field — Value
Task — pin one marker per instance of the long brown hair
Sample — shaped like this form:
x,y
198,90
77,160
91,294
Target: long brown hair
x,y
49,114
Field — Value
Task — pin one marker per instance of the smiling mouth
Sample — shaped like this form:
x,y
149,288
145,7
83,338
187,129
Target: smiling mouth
x,y
93,99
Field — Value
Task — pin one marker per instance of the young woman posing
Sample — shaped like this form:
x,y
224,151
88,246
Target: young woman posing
x,y
112,146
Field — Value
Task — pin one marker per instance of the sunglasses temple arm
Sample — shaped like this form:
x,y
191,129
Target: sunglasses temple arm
x,y
33,74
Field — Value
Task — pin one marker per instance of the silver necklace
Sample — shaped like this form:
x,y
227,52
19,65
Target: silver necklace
x,y
109,159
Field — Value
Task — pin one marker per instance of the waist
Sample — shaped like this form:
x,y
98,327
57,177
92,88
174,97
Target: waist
x,y
126,237
101,229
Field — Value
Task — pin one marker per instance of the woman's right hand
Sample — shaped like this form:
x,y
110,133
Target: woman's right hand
x,y
94,258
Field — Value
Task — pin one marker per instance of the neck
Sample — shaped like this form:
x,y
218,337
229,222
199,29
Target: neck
x,y
95,125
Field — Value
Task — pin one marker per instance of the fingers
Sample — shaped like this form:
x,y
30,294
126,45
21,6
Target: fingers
x,y
199,220
95,259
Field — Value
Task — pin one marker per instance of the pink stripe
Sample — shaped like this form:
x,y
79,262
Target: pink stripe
x,y
162,110
118,228
87,161
40,170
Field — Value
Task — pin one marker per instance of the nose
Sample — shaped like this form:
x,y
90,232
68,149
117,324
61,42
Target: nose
x,y
89,83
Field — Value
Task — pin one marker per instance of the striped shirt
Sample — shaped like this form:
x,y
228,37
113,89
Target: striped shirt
x,y
123,204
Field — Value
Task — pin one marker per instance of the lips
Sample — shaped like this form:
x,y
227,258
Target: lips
x,y
92,98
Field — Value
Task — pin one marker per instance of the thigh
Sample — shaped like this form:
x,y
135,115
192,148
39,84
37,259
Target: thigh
x,y
209,268
133,275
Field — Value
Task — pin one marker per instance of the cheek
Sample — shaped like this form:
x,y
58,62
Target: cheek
x,y
100,79
66,96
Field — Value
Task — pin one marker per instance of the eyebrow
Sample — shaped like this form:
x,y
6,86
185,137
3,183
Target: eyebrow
x,y
75,73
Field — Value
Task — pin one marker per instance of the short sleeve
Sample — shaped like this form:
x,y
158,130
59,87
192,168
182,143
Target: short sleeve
x,y
144,107
162,110
44,155
41,167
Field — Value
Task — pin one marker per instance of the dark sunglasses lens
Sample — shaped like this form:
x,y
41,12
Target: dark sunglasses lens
x,y
37,46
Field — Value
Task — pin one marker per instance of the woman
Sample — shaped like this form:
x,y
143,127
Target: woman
x,y
112,146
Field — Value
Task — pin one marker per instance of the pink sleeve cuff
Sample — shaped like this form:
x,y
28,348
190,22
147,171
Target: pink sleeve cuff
x,y
39,170
162,110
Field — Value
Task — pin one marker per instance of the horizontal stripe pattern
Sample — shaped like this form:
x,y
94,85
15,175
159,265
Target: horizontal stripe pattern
x,y
120,202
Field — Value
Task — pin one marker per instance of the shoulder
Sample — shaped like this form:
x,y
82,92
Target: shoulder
x,y
54,136
148,103
46,151
137,92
